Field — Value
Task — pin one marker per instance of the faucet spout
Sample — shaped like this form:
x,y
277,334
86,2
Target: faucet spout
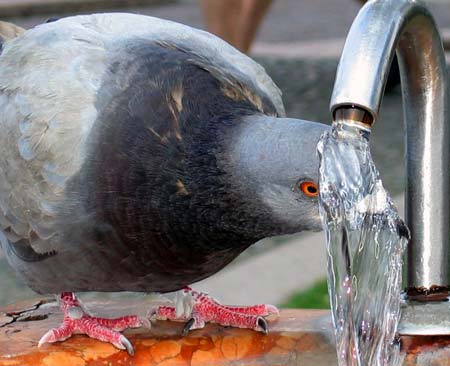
x,y
406,26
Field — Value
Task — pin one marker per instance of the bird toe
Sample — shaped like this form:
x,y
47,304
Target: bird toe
x,y
125,344
262,325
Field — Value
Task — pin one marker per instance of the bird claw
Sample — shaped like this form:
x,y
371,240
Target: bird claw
x,y
125,344
48,337
262,325
45,338
187,327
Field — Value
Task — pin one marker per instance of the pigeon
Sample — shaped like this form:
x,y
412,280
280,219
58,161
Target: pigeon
x,y
139,154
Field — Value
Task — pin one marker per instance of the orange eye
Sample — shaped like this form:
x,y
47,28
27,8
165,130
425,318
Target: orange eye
x,y
310,189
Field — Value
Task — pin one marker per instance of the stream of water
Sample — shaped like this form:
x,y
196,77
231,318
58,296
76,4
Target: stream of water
x,y
365,242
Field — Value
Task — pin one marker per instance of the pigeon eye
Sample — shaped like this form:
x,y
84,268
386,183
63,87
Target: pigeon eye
x,y
309,188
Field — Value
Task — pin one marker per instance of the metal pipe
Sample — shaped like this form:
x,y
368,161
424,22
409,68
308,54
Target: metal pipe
x,y
381,27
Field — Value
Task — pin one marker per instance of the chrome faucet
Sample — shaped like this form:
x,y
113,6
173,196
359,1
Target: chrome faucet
x,y
382,28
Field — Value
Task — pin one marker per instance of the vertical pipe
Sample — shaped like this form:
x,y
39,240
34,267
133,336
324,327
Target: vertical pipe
x,y
381,27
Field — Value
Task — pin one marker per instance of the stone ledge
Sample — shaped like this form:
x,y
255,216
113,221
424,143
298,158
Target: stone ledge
x,y
298,337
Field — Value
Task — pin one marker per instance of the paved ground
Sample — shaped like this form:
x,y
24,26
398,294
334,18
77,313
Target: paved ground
x,y
299,45
18,8
287,20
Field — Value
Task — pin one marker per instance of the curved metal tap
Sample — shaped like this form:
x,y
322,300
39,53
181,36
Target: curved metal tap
x,y
381,28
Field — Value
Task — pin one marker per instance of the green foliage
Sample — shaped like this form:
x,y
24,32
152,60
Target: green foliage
x,y
315,297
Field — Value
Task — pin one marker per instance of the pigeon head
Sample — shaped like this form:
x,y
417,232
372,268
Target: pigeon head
x,y
275,164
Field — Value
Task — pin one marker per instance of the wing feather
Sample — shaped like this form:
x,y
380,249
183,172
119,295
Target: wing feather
x,y
48,83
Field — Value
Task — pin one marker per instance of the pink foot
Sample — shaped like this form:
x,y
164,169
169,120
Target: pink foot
x,y
197,309
77,321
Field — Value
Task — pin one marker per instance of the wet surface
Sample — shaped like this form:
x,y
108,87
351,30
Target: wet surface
x,y
430,351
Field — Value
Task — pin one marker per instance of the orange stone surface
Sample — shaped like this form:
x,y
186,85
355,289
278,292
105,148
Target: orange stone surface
x,y
297,337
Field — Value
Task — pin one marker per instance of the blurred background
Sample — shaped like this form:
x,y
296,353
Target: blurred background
x,y
299,43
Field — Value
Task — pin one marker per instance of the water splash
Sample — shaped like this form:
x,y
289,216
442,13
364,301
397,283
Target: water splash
x,y
365,242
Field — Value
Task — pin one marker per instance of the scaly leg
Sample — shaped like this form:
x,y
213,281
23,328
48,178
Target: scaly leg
x,y
197,309
76,320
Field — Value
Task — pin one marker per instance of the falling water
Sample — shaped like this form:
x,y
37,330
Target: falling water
x,y
365,243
